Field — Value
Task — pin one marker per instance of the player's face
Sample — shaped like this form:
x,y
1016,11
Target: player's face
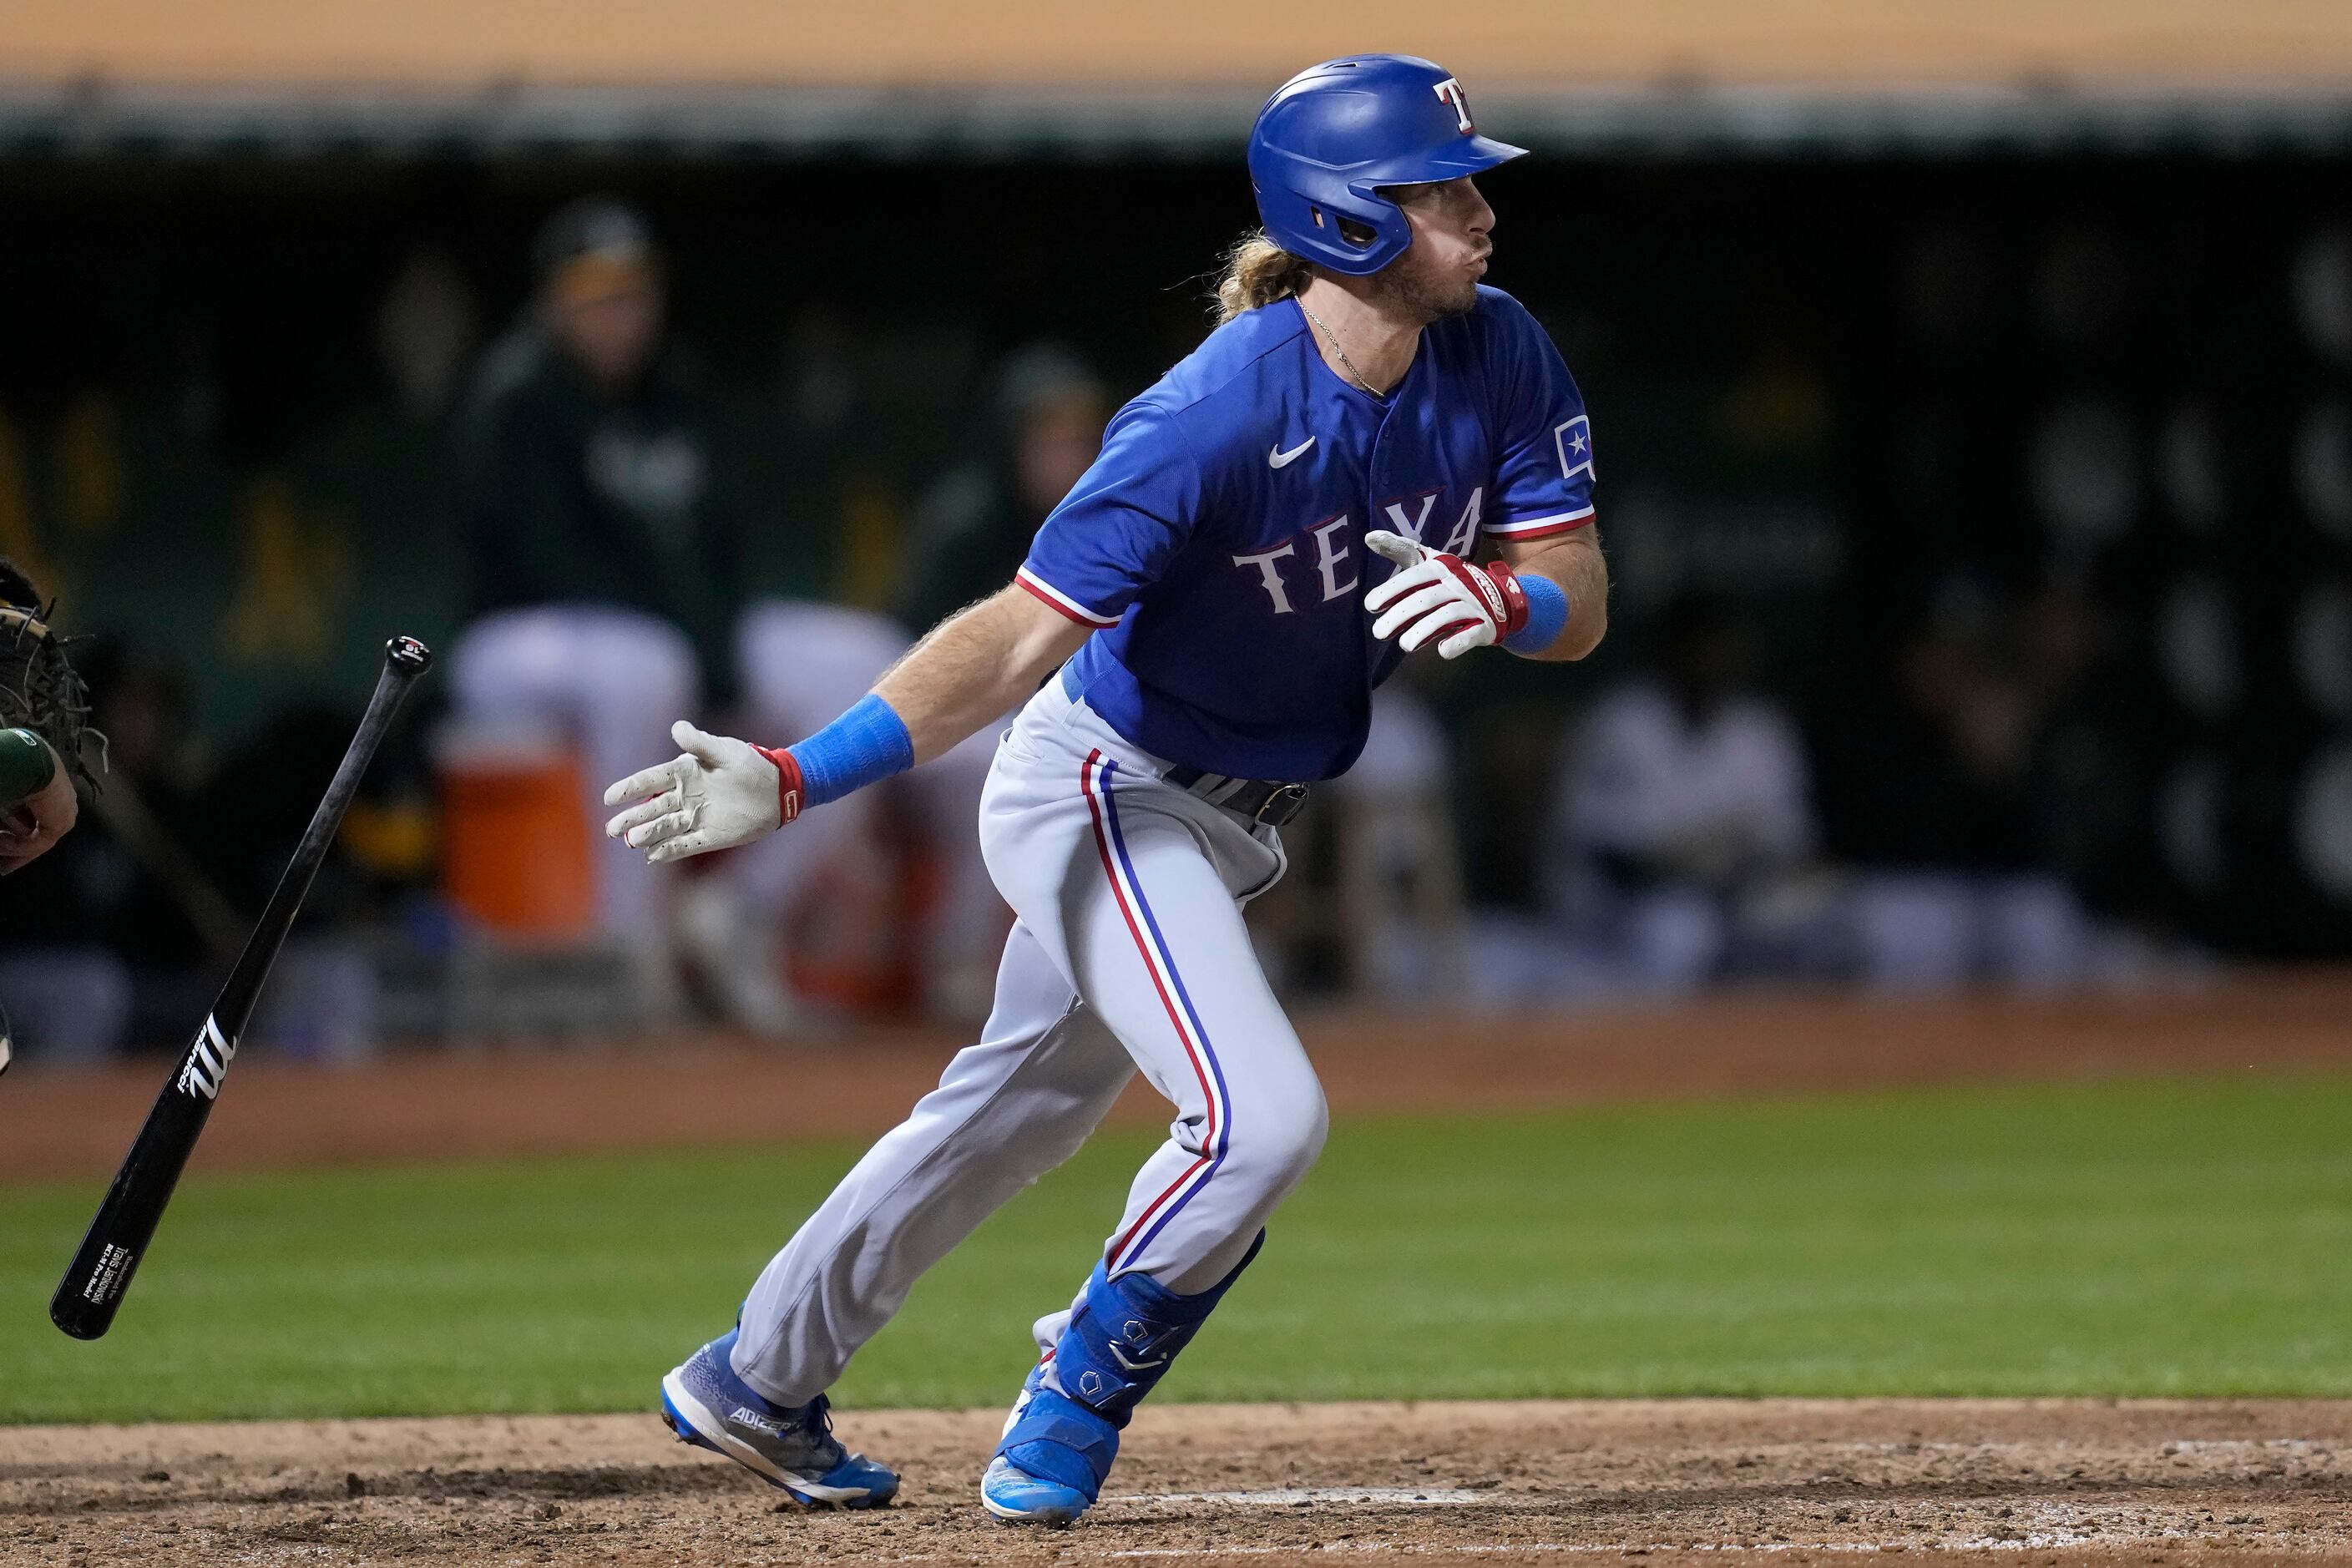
x,y
1453,226
1058,444
611,331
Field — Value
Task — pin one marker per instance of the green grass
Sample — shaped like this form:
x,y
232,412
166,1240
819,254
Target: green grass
x,y
2188,1236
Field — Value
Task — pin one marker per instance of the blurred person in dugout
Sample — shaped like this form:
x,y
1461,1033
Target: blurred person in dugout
x,y
1683,830
606,601
974,527
1943,767
971,531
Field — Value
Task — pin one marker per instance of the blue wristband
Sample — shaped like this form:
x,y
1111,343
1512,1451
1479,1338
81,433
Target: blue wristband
x,y
866,744
1546,613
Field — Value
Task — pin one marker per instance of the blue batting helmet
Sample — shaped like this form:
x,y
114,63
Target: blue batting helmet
x,y
1331,136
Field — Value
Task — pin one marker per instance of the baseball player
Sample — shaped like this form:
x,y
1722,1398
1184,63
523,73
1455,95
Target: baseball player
x,y
1289,512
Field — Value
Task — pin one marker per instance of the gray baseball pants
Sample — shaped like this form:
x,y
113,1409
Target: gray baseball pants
x,y
1128,952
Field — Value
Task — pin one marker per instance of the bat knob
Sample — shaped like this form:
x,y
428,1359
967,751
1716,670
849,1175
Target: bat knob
x,y
408,654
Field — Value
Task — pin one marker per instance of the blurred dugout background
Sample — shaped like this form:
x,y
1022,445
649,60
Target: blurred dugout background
x,y
1973,402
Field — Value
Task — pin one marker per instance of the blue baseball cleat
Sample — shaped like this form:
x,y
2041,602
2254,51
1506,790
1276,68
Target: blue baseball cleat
x,y
792,1448
1050,1464
1017,1497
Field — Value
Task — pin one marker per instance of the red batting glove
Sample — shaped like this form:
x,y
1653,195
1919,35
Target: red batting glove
x,y
788,774
1442,598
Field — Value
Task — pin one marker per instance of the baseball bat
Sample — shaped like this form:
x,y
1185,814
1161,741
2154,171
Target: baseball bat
x,y
92,1290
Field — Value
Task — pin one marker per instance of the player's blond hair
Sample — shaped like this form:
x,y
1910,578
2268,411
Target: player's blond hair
x,y
1257,272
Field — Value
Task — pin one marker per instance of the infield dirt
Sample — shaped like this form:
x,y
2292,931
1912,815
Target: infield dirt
x,y
2136,1482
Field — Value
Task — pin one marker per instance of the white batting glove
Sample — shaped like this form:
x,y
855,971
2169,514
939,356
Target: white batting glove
x,y
720,794
1442,598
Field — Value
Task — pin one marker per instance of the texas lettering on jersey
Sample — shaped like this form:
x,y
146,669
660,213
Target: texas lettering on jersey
x,y
1217,542
1329,555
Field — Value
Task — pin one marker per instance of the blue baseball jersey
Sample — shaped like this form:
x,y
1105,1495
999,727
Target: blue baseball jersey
x,y
1217,542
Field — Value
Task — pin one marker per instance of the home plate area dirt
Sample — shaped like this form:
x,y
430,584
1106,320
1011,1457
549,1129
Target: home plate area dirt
x,y
2047,1481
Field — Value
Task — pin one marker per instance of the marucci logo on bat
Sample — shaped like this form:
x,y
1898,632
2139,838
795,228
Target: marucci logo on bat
x,y
207,1061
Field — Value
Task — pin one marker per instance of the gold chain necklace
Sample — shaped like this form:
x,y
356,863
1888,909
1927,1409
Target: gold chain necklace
x,y
1336,348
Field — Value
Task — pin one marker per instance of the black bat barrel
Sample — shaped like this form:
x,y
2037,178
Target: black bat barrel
x,y
92,1290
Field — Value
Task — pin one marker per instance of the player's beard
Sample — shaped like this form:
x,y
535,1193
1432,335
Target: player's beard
x,y
1409,290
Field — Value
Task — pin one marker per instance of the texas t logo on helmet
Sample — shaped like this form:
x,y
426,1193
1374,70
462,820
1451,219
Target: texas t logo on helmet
x,y
1332,137
1450,90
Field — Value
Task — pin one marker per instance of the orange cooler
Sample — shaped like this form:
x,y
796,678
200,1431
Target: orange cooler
x,y
515,845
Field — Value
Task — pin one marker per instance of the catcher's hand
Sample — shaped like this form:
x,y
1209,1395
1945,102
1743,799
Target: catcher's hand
x,y
720,794
44,710
43,806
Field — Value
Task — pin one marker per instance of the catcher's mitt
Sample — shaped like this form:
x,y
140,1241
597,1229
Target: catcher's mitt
x,y
39,689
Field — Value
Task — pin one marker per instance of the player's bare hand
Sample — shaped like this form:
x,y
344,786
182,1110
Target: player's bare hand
x,y
1440,598
720,793
33,826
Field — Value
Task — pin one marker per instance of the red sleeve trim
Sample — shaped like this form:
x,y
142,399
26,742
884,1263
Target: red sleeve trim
x,y
1551,531
1540,526
1045,592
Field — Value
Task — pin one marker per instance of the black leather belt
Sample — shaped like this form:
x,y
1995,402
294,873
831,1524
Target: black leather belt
x,y
1263,801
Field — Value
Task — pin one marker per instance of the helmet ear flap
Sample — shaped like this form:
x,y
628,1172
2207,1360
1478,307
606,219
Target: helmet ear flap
x,y
1322,218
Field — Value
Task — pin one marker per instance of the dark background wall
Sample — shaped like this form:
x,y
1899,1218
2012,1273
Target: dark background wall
x,y
2070,408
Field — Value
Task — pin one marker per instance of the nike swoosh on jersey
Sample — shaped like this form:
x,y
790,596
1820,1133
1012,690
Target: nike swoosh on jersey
x,y
1278,458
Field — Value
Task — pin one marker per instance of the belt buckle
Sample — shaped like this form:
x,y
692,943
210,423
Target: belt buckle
x,y
1281,806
